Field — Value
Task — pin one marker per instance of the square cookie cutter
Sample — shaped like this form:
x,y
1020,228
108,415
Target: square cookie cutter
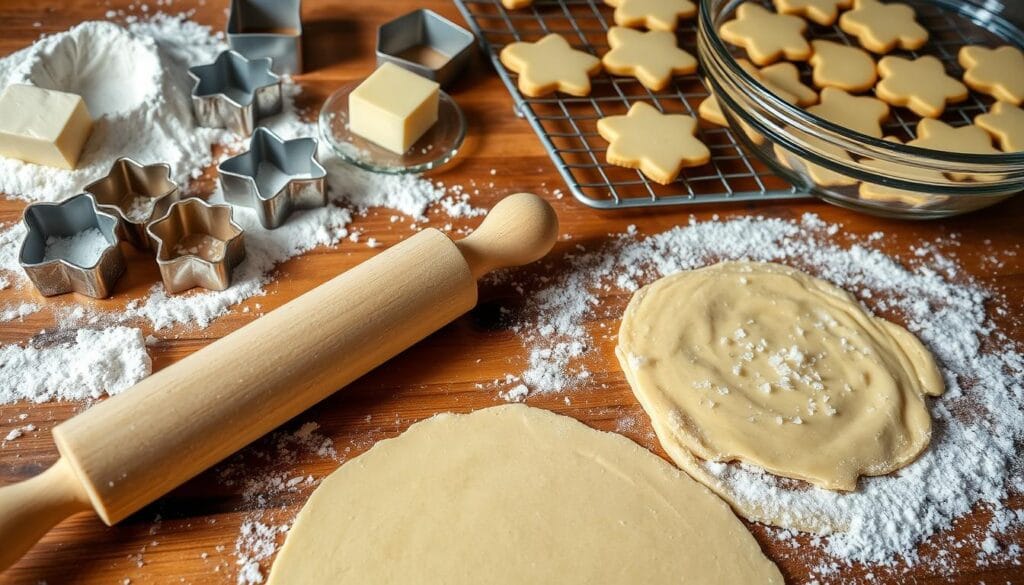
x,y
234,92
64,274
275,177
268,29
427,44
136,194
197,244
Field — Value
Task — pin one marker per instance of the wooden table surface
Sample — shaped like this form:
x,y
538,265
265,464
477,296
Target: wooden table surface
x,y
189,535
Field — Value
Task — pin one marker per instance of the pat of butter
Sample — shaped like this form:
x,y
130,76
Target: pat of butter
x,y
43,126
393,107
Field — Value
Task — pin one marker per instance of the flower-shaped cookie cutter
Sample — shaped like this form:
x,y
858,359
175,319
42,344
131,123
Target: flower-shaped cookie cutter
x,y
268,28
197,244
59,259
234,92
275,177
136,194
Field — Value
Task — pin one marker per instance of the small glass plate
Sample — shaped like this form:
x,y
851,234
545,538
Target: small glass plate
x,y
438,146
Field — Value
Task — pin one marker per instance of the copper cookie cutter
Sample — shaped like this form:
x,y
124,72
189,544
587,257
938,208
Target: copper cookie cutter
x,y
136,194
268,28
234,92
55,253
197,244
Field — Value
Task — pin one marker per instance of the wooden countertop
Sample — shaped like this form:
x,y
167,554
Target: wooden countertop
x,y
189,536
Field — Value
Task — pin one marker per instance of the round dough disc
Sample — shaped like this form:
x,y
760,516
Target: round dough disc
x,y
512,495
763,364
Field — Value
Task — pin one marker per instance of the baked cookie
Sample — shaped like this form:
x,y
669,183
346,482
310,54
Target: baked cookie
x,y
516,4
767,36
880,27
823,12
711,110
786,77
921,85
850,69
858,113
819,175
658,144
997,72
651,14
970,139
550,65
1005,122
652,57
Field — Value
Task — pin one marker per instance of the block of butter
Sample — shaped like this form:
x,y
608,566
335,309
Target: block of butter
x,y
393,107
43,126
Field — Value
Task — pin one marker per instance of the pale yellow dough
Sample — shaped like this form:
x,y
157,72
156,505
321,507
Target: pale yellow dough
x,y
764,364
515,495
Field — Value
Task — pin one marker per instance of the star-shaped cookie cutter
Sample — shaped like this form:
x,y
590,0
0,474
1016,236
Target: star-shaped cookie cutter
x,y
197,244
275,177
62,275
136,194
234,92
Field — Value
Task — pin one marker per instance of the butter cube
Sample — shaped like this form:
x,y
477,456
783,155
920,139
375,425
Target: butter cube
x,y
43,126
393,107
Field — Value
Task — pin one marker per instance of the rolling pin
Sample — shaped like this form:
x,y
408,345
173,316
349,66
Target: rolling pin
x,y
135,447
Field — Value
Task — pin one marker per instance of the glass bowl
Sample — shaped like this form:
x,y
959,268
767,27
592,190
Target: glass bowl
x,y
844,167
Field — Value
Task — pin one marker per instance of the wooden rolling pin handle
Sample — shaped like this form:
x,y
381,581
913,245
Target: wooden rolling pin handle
x,y
519,230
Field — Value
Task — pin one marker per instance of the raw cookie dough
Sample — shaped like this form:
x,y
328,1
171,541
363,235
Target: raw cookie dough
x,y
1005,122
850,69
651,14
652,57
862,114
921,85
767,36
996,72
764,364
514,495
550,65
881,27
660,145
823,12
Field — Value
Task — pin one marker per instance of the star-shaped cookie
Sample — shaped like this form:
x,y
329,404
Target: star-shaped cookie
x,y
858,113
550,65
880,27
651,14
997,72
767,36
849,68
652,57
1005,122
921,85
970,139
660,145
823,12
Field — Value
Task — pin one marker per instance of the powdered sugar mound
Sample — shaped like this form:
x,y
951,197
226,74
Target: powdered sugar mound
x,y
98,362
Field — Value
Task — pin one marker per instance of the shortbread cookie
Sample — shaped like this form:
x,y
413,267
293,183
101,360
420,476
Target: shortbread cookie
x,y
996,72
886,194
767,36
921,85
880,27
970,139
850,69
1005,122
819,175
823,12
858,113
651,14
516,4
786,76
652,57
550,64
660,145
711,110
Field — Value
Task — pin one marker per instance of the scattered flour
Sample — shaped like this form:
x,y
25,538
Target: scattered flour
x,y
18,312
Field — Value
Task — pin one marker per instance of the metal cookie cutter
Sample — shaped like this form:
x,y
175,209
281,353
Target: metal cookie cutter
x,y
197,244
59,256
427,44
234,92
275,177
136,194
268,28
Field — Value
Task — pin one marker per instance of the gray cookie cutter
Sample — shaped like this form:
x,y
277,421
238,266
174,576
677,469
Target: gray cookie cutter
x,y
58,276
126,185
275,177
399,39
268,29
182,270
234,92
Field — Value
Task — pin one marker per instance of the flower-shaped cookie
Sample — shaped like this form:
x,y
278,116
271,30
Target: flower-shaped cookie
x,y
1005,122
660,145
919,84
970,139
823,12
652,57
549,65
767,36
997,72
880,27
786,77
858,113
850,69
651,14
874,191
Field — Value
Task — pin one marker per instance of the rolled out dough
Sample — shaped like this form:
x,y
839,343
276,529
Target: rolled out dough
x,y
513,495
763,364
